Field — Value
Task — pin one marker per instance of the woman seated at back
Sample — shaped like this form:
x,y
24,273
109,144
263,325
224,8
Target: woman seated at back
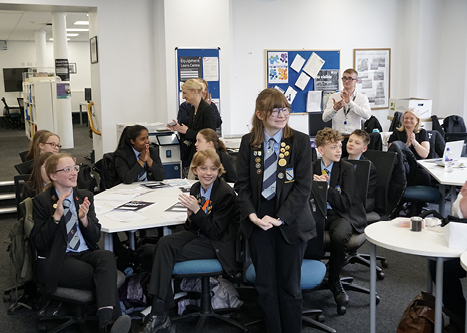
x,y
65,235
207,139
416,139
210,234
135,160
38,179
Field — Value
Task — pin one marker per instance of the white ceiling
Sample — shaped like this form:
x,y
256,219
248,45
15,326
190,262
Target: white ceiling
x,y
16,25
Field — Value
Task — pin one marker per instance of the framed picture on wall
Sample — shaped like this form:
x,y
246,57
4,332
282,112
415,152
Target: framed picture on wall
x,y
93,47
72,66
374,75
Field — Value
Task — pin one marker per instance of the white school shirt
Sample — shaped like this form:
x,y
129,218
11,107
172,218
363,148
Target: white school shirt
x,y
359,108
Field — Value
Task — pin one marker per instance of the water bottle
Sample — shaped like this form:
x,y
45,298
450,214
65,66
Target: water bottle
x,y
448,161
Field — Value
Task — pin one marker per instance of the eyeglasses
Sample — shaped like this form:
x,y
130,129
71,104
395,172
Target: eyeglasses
x,y
345,78
205,168
68,169
54,145
275,112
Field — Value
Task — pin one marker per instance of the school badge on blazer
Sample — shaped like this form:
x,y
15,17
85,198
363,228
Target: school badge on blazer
x,y
289,175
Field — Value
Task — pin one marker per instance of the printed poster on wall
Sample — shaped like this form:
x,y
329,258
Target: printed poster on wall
x,y
278,67
190,68
211,68
327,80
373,67
62,69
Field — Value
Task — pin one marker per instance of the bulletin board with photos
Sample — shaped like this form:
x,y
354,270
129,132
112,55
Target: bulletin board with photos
x,y
374,75
306,77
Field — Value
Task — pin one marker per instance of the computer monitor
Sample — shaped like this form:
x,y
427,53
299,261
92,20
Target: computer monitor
x,y
316,123
87,95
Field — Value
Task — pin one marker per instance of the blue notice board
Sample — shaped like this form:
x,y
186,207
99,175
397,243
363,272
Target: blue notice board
x,y
283,76
204,63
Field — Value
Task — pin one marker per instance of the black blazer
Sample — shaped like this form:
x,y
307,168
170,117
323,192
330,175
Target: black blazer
x,y
227,161
128,167
293,187
220,224
50,239
204,118
372,184
346,203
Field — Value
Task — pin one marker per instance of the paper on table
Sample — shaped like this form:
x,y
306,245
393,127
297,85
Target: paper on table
x,y
290,94
302,81
123,194
297,63
102,207
177,182
313,101
174,217
313,65
125,216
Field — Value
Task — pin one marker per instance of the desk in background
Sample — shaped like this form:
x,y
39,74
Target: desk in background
x,y
163,198
81,105
457,177
428,243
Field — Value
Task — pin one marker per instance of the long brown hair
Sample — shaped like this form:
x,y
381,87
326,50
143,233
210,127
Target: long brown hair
x,y
267,100
211,136
34,150
36,175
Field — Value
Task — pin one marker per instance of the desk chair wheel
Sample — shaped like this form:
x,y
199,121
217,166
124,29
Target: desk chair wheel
x,y
341,310
380,275
384,263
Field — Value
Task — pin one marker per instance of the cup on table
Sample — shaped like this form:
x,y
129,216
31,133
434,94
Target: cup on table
x,y
416,223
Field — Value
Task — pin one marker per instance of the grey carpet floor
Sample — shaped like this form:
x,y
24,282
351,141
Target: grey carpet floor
x,y
404,278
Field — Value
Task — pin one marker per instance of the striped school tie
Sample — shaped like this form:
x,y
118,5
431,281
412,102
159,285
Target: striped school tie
x,y
326,173
71,226
269,175
142,173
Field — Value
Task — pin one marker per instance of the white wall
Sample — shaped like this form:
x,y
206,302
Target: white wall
x,y
23,54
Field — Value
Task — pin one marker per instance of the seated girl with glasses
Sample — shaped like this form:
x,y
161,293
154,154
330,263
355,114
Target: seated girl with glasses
x,y
209,234
135,159
207,139
43,142
65,235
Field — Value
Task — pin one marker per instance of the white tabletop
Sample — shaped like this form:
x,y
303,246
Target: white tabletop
x,y
457,177
155,214
428,242
464,260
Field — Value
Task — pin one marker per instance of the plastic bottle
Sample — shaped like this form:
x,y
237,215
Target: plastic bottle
x,y
448,161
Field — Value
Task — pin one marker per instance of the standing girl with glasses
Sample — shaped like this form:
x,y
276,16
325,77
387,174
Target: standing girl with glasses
x,y
273,185
65,235
209,234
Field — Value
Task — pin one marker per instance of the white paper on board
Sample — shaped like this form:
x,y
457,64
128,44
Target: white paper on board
x,y
211,68
302,81
313,65
297,63
290,94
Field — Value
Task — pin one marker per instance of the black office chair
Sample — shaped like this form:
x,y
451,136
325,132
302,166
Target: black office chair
x,y
362,174
19,181
12,115
437,144
23,155
25,167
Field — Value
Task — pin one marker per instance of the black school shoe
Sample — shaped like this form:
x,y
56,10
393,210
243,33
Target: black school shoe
x,y
340,296
160,324
121,325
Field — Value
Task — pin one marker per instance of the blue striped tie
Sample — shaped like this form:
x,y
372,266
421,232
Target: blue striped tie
x,y
142,173
71,226
269,176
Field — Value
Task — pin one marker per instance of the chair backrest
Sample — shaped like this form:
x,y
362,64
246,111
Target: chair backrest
x,y
108,174
384,163
376,143
437,144
4,102
362,178
23,155
318,200
20,102
454,124
19,181
25,167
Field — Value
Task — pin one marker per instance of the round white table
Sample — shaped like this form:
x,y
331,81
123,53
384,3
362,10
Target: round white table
x,y
428,243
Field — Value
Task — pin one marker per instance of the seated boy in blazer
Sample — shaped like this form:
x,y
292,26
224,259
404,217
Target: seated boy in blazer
x,y
346,214
356,146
